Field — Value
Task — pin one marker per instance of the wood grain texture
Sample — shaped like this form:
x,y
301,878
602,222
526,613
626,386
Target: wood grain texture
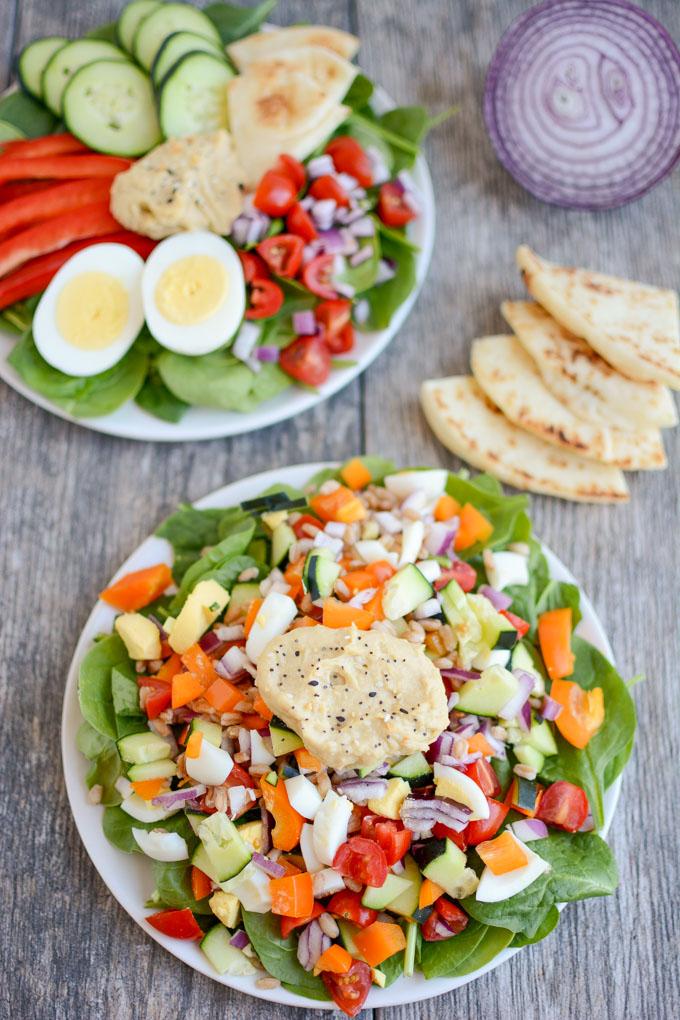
x,y
75,503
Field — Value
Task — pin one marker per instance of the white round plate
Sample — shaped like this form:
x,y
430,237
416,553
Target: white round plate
x,y
128,876
131,422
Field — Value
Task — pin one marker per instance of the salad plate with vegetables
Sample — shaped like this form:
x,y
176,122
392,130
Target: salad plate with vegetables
x,y
207,225
346,735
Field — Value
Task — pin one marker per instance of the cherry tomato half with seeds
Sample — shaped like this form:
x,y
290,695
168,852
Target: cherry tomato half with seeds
x,y
456,918
282,253
349,991
459,571
318,274
266,298
254,268
327,187
483,774
275,194
348,904
299,222
349,158
486,828
307,359
563,805
333,316
390,835
292,168
392,209
342,342
362,860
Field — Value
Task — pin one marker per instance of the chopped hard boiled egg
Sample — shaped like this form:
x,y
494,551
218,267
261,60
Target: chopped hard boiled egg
x,y
193,292
91,312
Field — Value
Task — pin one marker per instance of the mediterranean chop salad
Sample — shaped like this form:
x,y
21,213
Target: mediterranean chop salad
x,y
208,213
354,731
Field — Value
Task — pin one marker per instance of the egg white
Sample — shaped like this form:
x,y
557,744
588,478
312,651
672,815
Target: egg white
x,y
118,261
213,332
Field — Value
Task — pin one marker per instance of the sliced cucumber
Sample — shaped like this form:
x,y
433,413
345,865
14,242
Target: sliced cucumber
x,y
212,731
225,958
405,591
241,596
415,769
177,46
283,538
110,106
378,898
33,60
284,740
141,748
161,769
319,573
130,19
155,28
194,96
63,65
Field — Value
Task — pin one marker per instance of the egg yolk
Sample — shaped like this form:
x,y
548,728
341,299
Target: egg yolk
x,y
92,310
191,290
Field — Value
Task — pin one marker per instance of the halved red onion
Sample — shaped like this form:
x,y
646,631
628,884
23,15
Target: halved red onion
x,y
529,829
312,943
550,709
497,599
582,102
271,868
360,791
512,709
304,323
188,793
239,940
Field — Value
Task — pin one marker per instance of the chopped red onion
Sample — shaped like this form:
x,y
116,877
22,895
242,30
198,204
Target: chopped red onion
x,y
362,311
442,745
239,940
420,814
320,166
230,632
379,167
346,181
360,791
157,623
312,943
350,215
497,599
440,536
385,272
307,202
267,353
188,793
465,730
550,709
498,745
363,227
389,522
398,868
361,256
233,661
454,698
460,674
210,641
346,289
439,929
513,707
323,213
304,323
326,882
456,763
265,838
331,241
245,341
529,829
524,717
270,868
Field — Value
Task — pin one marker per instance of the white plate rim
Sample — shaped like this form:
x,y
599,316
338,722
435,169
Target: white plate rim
x,y
133,886
201,423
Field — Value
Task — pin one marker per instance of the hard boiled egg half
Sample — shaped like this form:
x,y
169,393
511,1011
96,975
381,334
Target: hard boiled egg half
x,y
92,310
193,292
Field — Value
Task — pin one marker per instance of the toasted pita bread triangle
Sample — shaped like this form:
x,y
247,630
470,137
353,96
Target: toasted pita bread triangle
x,y
632,325
581,379
469,425
267,44
511,380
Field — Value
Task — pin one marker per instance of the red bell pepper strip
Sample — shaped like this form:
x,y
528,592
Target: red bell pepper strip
x,y
90,221
35,275
48,145
178,924
57,199
15,189
13,168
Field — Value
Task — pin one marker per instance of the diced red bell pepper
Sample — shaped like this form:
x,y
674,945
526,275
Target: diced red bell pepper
x,y
520,625
178,924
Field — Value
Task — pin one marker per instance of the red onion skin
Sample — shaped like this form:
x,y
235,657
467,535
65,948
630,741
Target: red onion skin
x,y
239,940
497,599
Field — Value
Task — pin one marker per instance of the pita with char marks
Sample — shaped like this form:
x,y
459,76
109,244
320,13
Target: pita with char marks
x,y
582,380
511,380
471,426
269,44
632,325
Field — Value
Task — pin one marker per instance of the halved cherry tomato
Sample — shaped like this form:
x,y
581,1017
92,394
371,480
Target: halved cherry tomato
x,y
349,158
348,904
299,222
178,924
290,167
363,860
333,316
349,991
343,341
282,253
254,268
306,519
563,805
275,194
288,924
391,836
317,276
307,359
456,918
266,298
158,701
444,832
520,625
486,828
327,187
459,571
239,777
482,772
392,209
431,932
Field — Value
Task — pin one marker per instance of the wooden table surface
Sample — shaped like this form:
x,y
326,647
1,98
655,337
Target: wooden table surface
x,y
74,504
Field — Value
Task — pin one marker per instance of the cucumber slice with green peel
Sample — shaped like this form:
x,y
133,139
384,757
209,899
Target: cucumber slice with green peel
x,y
406,902
33,60
9,132
284,740
130,19
283,537
63,65
194,96
194,819
489,693
242,595
225,958
378,898
154,29
162,769
405,591
528,755
320,573
110,106
415,769
140,748
177,46
211,731
227,852
200,860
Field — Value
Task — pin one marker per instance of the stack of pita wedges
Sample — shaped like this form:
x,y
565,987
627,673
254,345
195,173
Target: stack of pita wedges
x,y
288,94
579,392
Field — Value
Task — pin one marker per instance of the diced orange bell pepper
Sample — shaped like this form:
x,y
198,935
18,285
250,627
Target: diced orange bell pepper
x,y
292,895
478,742
502,854
194,745
253,721
358,580
374,605
307,760
335,960
223,696
253,610
381,571
201,665
288,823
304,621
582,711
379,941
339,505
147,789
446,507
429,892
201,885
185,687
170,668
474,527
293,578
135,590
340,614
262,708
554,637
355,474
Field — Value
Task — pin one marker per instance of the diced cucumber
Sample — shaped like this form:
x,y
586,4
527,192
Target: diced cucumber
x,y
227,852
415,769
161,769
528,755
241,596
377,899
194,96
33,60
320,573
110,106
283,538
153,30
489,693
194,819
211,731
522,659
140,748
407,901
177,46
541,737
64,63
284,740
446,868
405,591
347,932
507,637
225,958
130,19
201,860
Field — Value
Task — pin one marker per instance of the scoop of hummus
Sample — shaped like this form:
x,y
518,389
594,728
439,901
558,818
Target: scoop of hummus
x,y
356,698
191,183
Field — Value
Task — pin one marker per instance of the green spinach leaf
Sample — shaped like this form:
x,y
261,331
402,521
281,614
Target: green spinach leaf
x,y
27,114
118,825
214,563
158,400
125,690
385,298
279,956
234,21
359,93
220,380
474,947
548,924
94,684
173,884
104,771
